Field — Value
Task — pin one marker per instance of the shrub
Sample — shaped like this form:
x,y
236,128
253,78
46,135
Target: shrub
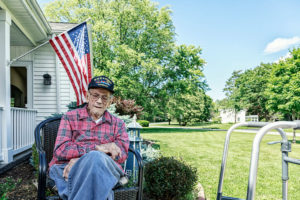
x,y
34,161
143,123
127,107
149,153
168,178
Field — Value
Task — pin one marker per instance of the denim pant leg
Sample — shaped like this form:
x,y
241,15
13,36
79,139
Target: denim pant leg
x,y
56,174
93,177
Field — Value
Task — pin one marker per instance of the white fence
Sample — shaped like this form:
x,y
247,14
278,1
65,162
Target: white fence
x,y
23,124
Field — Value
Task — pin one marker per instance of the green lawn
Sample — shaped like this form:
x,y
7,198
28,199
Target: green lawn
x,y
198,125
203,149
208,125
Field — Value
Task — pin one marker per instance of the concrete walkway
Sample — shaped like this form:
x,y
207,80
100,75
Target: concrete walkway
x,y
236,130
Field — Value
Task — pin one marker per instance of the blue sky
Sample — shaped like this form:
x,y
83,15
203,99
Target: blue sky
x,y
235,35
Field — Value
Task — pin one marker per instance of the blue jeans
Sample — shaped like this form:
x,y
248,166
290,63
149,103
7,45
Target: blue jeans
x,y
92,177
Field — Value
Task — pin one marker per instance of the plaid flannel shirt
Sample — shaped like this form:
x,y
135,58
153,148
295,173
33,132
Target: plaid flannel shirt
x,y
78,134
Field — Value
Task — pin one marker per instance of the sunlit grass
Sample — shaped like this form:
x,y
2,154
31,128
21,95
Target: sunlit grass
x,y
203,149
207,125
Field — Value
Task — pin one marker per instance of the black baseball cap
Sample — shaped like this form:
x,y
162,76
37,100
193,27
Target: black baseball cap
x,y
102,82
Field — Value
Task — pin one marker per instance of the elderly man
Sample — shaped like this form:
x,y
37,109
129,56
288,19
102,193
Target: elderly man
x,y
90,146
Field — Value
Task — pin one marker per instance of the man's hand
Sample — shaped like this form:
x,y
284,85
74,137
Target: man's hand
x,y
68,167
110,148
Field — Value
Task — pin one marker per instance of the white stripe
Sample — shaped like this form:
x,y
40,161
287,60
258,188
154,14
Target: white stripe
x,y
82,83
83,66
73,59
69,68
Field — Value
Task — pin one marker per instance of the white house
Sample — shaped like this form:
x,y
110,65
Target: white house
x,y
24,99
229,116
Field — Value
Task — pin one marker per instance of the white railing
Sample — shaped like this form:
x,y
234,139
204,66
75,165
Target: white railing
x,y
23,123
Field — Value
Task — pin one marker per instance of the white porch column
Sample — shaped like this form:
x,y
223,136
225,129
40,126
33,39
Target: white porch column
x,y
6,138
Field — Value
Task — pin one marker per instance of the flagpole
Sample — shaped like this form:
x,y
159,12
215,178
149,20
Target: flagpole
x,y
28,52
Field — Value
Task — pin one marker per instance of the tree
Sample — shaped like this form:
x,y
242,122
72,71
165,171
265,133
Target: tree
x,y
283,90
246,90
252,85
191,108
134,44
231,91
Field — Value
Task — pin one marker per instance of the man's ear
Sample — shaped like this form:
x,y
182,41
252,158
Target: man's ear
x,y
110,100
87,97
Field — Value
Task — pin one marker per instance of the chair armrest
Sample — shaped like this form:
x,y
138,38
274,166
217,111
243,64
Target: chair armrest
x,y
42,175
141,172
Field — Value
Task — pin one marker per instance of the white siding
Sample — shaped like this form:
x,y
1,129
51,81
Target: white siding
x,y
16,51
67,93
45,98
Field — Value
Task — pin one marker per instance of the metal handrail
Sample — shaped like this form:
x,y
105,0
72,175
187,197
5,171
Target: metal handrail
x,y
226,148
255,156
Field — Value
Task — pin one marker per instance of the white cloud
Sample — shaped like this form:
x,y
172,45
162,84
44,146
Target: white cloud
x,y
283,58
280,44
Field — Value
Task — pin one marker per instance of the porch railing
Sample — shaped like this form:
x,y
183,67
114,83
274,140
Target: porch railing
x,y
23,123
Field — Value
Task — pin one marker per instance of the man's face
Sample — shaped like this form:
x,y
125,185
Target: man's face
x,y
98,100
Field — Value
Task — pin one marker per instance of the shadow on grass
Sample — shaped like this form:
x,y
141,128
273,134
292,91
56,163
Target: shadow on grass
x,y
297,141
170,130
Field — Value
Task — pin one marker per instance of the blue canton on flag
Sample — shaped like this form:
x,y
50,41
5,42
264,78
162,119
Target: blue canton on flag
x,y
79,37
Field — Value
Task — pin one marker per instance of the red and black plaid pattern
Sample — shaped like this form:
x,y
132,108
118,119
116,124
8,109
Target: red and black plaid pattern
x,y
78,134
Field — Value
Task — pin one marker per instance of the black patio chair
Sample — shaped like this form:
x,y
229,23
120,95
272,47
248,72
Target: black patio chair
x,y
45,136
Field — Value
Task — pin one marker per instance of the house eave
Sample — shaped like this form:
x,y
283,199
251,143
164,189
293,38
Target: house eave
x,y
28,17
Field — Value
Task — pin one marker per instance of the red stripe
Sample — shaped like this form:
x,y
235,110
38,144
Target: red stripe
x,y
70,62
66,68
89,67
76,60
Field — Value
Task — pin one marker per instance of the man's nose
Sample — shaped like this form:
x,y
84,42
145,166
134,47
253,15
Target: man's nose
x,y
99,100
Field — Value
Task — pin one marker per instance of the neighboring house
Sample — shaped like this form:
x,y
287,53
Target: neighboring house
x,y
24,99
229,116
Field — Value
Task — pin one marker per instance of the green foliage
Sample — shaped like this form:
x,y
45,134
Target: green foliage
x,y
284,87
246,90
169,178
269,90
8,185
35,157
143,123
149,152
134,44
188,109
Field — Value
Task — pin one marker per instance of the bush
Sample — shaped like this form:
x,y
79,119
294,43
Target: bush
x,y
168,178
149,153
143,123
34,158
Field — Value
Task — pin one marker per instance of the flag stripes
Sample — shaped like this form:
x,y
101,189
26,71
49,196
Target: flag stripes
x,y
75,59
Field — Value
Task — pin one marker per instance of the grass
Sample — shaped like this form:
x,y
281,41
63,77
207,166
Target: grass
x,y
203,150
197,125
207,125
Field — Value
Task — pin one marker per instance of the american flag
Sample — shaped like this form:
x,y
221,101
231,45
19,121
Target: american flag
x,y
73,49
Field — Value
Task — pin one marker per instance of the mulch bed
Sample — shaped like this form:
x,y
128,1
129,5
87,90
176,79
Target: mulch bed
x,y
22,177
